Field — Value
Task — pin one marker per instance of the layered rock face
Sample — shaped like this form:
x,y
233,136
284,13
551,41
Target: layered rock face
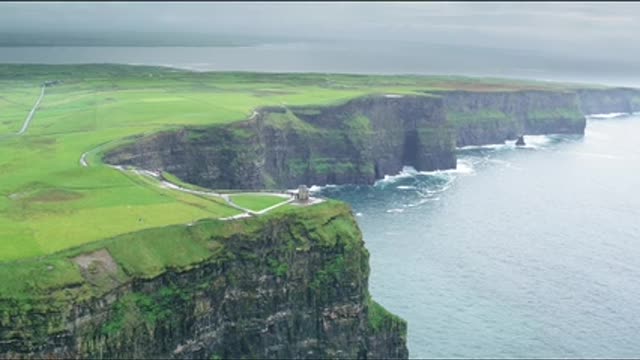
x,y
493,117
356,142
291,285
366,138
603,101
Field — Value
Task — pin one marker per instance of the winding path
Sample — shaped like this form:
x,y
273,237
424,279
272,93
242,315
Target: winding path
x,y
27,121
226,197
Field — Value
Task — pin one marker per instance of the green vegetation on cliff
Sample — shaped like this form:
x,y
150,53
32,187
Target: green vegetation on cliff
x,y
380,319
460,118
146,293
148,253
566,114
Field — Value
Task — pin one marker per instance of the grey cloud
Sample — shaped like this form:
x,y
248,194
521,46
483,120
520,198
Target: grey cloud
x,y
563,30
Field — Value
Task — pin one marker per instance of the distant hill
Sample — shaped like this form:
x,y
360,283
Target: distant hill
x,y
131,39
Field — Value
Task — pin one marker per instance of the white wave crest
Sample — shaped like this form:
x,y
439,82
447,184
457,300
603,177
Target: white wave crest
x,y
488,146
406,172
405,187
533,142
395,210
463,167
316,188
606,115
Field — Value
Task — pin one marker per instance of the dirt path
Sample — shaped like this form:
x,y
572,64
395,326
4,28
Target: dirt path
x,y
27,121
226,197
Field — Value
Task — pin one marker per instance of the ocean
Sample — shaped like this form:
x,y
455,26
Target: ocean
x,y
518,253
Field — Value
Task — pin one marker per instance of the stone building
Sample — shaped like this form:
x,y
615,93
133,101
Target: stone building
x,y
303,193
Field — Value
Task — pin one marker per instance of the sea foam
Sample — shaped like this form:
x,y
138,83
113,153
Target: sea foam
x,y
606,115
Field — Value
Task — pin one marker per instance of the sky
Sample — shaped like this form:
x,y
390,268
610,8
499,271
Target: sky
x,y
596,34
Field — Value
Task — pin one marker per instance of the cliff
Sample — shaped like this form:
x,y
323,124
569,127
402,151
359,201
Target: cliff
x,y
492,117
291,284
360,141
356,142
609,100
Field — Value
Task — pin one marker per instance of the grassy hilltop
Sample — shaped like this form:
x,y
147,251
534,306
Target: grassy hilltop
x,y
50,202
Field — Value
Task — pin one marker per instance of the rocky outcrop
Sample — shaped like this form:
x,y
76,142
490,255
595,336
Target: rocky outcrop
x,y
286,285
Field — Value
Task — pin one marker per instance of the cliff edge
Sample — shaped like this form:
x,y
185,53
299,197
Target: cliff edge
x,y
363,139
291,284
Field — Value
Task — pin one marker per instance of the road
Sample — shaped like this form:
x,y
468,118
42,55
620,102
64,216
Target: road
x,y
27,121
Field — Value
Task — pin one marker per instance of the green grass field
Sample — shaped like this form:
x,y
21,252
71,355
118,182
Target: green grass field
x,y
50,202
256,202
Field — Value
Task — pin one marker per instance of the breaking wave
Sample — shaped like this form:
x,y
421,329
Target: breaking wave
x,y
536,141
397,210
463,166
606,115
531,142
317,188
480,147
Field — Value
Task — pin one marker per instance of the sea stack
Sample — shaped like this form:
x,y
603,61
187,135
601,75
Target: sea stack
x,y
520,141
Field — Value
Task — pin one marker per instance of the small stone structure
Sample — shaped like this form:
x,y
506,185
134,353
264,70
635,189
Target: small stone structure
x,y
303,193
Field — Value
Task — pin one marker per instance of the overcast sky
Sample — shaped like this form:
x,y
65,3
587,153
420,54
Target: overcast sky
x,y
604,31
601,26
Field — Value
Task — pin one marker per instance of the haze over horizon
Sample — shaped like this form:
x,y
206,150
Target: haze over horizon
x,y
553,41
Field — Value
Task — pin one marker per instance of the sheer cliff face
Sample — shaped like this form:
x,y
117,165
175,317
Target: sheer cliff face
x,y
603,101
356,142
364,139
493,117
290,285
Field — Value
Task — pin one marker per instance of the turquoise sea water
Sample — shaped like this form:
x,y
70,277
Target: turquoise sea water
x,y
520,252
